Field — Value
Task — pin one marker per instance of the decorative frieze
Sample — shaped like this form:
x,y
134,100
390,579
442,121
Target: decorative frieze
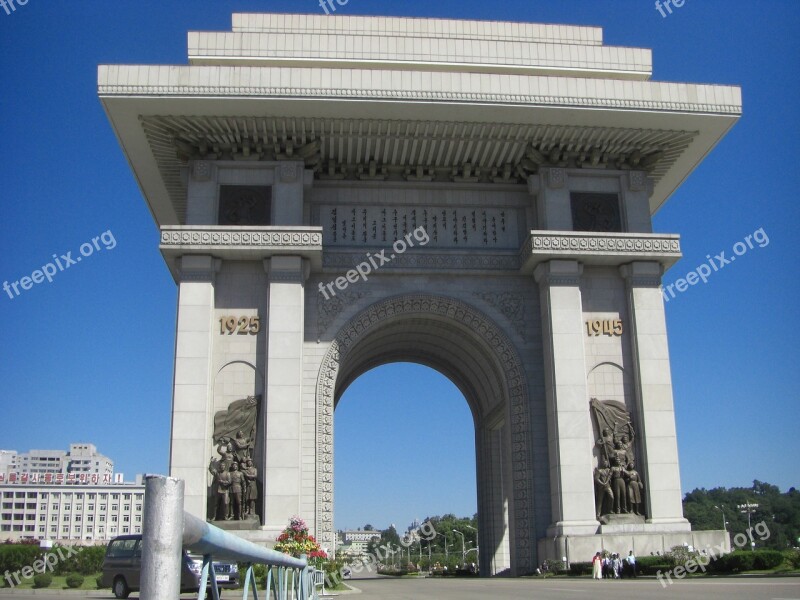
x,y
599,249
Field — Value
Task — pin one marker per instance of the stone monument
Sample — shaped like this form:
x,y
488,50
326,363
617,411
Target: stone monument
x,y
338,192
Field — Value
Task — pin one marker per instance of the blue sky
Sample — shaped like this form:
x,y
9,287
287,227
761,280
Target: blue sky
x,y
88,357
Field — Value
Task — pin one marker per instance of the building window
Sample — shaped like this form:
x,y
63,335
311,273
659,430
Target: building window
x,y
79,507
78,518
65,529
53,529
124,530
138,518
90,507
102,507
115,507
54,517
17,527
137,530
126,519
68,507
244,205
127,507
8,505
5,528
19,505
43,506
595,212
66,518
114,518
138,507
6,516
55,506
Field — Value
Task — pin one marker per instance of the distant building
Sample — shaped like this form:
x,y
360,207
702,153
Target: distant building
x,y
357,541
81,458
70,512
66,497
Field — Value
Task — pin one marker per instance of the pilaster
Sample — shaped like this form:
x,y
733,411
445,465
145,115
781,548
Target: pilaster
x,y
283,423
569,424
193,379
653,383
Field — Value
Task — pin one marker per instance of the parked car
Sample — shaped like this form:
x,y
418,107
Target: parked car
x,y
123,564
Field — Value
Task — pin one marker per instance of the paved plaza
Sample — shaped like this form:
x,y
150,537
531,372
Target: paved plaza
x,y
729,588
561,589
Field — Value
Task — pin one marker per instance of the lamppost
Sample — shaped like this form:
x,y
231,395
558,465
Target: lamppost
x,y
445,546
463,549
722,510
748,508
477,545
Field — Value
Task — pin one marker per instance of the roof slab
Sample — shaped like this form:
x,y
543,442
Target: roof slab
x,y
408,122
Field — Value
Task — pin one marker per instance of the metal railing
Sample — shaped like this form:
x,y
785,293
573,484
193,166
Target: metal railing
x,y
169,530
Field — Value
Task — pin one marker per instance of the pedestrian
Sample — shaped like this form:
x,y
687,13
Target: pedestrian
x,y
597,566
631,560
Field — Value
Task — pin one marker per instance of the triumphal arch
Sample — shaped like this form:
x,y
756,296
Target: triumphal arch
x,y
334,193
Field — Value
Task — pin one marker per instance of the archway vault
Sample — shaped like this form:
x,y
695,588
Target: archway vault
x,y
465,345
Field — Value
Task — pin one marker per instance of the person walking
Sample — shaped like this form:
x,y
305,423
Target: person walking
x,y
597,566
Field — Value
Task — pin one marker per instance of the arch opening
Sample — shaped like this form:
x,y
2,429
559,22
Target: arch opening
x,y
404,452
465,346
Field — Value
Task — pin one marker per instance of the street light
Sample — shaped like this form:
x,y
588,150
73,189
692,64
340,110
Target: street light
x,y
722,510
445,545
748,508
477,545
463,549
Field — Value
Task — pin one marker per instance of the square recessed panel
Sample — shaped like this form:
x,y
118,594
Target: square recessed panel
x,y
245,205
595,212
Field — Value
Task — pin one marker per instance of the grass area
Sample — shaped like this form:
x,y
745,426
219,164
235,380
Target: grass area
x,y
59,583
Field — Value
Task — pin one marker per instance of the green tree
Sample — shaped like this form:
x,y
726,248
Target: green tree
x,y
780,512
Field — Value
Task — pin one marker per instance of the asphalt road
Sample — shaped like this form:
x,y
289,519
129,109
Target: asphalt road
x,y
776,588
739,588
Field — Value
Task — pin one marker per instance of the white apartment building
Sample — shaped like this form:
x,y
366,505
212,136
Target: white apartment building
x,y
81,458
66,496
87,513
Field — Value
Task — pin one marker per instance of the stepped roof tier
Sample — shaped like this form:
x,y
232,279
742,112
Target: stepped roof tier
x,y
409,100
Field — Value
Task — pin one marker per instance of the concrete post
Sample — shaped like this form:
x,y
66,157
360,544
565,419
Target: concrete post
x,y
162,540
